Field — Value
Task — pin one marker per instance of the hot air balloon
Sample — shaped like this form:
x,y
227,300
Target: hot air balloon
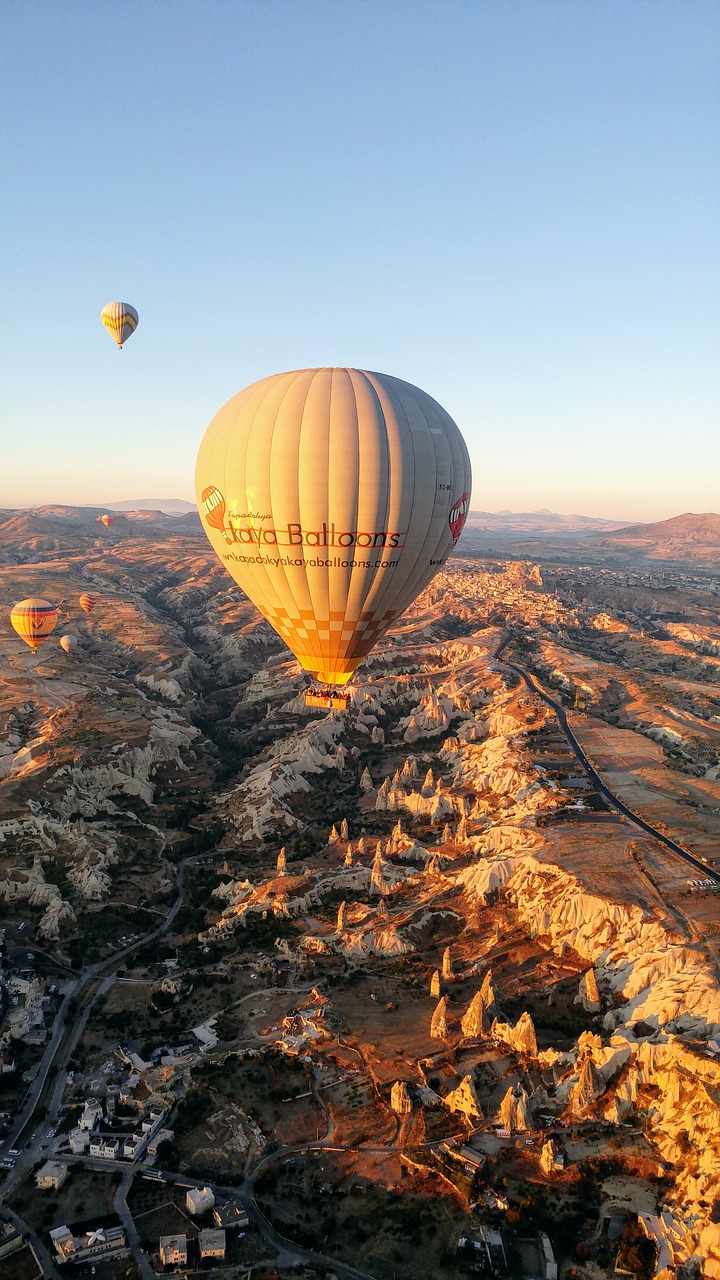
x,y
106,520
332,497
34,620
120,320
68,643
88,602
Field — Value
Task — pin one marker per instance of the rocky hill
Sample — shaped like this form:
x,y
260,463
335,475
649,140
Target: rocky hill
x,y
686,538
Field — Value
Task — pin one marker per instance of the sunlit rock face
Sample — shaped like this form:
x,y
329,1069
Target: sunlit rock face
x,y
589,995
475,1021
438,1022
400,1099
663,980
464,1100
515,1111
589,1087
521,1037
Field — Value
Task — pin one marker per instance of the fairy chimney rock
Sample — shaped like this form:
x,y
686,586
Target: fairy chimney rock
x,y
588,995
400,1099
435,985
447,968
465,1100
475,1020
438,1022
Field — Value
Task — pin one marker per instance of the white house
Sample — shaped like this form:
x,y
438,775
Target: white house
x,y
199,1199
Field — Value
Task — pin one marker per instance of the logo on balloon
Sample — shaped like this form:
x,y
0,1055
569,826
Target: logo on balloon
x,y
458,516
214,508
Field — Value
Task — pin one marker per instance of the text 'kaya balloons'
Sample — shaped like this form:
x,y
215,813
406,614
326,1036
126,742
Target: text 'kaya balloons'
x,y
34,620
332,496
120,320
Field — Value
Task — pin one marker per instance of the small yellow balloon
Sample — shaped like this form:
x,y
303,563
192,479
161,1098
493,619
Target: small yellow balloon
x,y
120,320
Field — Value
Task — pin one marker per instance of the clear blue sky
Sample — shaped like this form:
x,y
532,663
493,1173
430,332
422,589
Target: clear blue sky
x,y
512,203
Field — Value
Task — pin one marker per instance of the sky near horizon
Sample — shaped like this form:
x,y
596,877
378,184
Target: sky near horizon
x,y
514,206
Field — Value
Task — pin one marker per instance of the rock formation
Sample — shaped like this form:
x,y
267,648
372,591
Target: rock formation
x,y
588,995
489,994
590,1085
475,1021
377,875
464,1099
435,987
515,1110
344,833
341,916
281,863
400,1099
552,1158
447,968
438,1022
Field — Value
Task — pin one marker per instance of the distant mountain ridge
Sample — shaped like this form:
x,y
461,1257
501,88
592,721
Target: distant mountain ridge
x,y
538,522
686,537
168,506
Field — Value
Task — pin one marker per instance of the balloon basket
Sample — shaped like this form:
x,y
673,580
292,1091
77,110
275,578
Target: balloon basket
x,y
329,699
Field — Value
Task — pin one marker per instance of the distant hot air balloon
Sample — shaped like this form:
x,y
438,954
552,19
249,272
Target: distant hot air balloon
x,y
88,602
68,643
332,497
106,520
34,620
120,320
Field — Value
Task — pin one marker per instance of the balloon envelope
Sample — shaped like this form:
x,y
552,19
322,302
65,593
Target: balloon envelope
x,y
106,520
34,620
68,643
332,497
120,320
87,602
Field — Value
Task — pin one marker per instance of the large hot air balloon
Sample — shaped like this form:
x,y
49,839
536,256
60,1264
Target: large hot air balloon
x,y
332,497
106,520
87,602
34,620
68,643
120,320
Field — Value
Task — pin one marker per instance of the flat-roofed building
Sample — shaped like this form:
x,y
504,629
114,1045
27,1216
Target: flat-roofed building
x,y
51,1176
199,1200
173,1251
228,1214
211,1243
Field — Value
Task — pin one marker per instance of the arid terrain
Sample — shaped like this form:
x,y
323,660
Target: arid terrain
x,y
420,989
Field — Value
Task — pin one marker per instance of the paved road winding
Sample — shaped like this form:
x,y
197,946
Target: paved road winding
x,y
593,774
